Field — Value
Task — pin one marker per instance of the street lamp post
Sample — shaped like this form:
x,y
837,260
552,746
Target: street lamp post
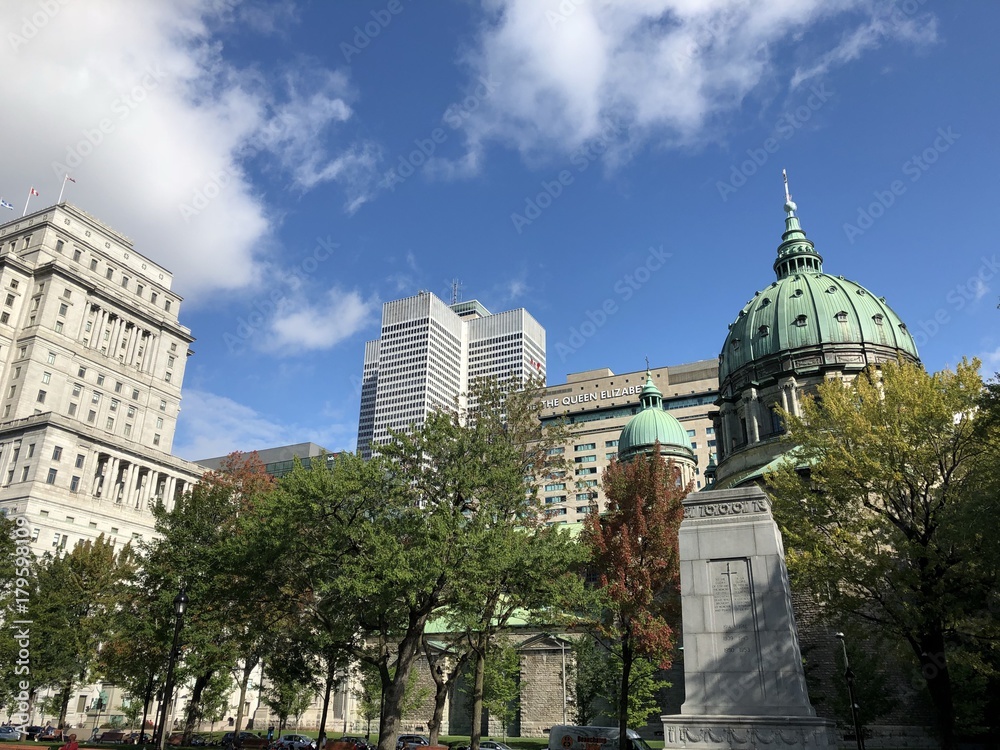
x,y
180,604
849,677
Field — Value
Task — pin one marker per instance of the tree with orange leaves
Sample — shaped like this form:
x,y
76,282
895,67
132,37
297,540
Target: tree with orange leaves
x,y
634,551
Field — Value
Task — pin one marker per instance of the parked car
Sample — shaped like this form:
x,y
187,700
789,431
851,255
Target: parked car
x,y
227,738
295,742
359,743
485,745
12,734
406,740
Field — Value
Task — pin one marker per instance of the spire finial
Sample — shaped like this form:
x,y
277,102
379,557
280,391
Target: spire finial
x,y
647,364
789,206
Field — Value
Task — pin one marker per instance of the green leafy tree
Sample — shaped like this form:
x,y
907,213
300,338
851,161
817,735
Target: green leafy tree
x,y
501,683
75,601
634,548
591,678
205,545
16,573
369,696
599,677
891,520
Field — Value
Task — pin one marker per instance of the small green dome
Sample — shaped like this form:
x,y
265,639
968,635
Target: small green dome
x,y
808,309
652,425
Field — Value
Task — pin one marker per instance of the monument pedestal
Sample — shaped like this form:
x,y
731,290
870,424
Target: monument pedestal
x,y
743,680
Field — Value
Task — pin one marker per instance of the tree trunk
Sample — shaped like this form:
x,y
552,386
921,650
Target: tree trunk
x,y
331,667
244,682
477,694
64,704
147,697
442,684
394,689
623,693
934,667
200,683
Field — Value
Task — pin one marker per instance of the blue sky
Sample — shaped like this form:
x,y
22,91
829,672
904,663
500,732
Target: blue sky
x,y
296,164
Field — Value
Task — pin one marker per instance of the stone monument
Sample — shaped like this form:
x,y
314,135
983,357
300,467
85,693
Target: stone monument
x,y
743,678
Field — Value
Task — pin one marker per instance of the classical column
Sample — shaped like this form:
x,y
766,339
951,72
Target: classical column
x,y
168,492
111,479
130,349
99,470
127,482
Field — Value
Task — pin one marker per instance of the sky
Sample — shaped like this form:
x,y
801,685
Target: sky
x,y
612,166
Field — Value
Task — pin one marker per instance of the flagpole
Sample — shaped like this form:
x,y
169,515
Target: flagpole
x,y
25,211
62,189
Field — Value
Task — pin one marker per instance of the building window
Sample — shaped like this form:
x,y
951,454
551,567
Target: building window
x,y
166,305
96,398
80,458
91,416
72,410
35,302
152,297
118,387
609,456
128,430
114,404
24,474
41,397
584,447
77,388
138,289
556,451
610,443
52,358
10,476
76,253
12,391
63,308
93,264
156,439
81,372
51,478
31,450
74,484
110,424
100,379
10,300
159,422
555,487
46,377
583,496
109,274
4,317
591,470
163,405
585,459
131,412
125,281
17,372
135,394
166,377
14,283
22,351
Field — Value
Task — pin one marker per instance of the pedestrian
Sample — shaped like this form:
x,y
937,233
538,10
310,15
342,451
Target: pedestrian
x,y
270,733
72,744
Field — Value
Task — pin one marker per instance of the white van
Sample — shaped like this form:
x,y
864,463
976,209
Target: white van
x,y
565,737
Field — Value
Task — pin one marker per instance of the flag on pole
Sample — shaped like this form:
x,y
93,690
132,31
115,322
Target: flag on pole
x,y
70,178
5,204
32,192
66,178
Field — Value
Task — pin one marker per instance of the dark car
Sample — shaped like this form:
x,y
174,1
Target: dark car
x,y
359,743
227,738
485,745
407,740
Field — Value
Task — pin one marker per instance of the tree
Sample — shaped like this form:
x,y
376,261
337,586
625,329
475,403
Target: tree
x,y
599,677
634,547
445,668
16,581
75,601
887,512
205,544
501,683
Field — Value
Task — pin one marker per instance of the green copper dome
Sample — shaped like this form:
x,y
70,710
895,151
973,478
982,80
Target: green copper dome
x,y
806,309
653,424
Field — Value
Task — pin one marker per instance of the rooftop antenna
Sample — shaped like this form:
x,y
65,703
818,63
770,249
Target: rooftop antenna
x,y
789,206
647,364
456,287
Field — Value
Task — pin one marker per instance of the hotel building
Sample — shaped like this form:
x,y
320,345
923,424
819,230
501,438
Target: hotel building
x,y
92,358
596,405
430,352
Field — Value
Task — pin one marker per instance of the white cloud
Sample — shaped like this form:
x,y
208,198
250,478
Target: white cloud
x,y
665,71
213,425
137,100
302,326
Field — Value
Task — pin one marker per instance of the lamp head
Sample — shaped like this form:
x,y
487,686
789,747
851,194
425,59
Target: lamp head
x,y
180,602
839,636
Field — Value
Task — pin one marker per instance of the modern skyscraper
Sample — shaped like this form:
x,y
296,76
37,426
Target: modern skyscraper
x,y
91,362
430,352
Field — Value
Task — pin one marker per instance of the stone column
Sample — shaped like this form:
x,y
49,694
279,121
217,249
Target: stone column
x,y
168,492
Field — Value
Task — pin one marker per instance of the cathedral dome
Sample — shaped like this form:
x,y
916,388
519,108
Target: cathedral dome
x,y
652,425
808,310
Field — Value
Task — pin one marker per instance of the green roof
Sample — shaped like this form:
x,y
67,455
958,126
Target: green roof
x,y
652,425
806,307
